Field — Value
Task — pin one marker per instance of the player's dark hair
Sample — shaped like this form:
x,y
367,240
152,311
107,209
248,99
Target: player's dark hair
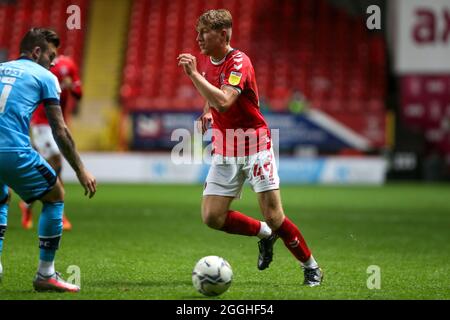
x,y
216,20
38,37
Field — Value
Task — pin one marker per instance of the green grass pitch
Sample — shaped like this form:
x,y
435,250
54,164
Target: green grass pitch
x,y
142,241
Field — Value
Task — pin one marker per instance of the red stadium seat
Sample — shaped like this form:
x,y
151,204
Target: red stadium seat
x,y
45,13
289,43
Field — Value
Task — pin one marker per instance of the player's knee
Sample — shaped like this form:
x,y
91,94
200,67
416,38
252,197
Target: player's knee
x,y
213,219
274,218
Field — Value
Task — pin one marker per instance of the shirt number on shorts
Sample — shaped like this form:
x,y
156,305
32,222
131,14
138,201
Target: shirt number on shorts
x,y
258,170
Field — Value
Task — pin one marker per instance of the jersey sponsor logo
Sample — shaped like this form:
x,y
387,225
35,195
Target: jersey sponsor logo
x,y
238,59
237,66
235,78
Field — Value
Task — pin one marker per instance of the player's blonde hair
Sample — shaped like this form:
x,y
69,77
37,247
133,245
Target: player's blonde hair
x,y
216,20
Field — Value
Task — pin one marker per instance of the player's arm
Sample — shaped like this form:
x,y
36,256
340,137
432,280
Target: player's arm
x,y
206,108
220,99
66,144
205,119
73,84
77,91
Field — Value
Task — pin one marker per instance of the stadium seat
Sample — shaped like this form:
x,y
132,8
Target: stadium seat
x,y
342,73
44,13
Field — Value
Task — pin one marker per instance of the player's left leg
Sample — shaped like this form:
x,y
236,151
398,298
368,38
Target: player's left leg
x,y
50,232
4,202
32,178
216,214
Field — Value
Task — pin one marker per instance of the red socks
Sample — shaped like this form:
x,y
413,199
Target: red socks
x,y
293,240
238,223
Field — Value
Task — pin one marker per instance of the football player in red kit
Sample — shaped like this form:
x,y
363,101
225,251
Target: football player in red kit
x,y
66,71
241,145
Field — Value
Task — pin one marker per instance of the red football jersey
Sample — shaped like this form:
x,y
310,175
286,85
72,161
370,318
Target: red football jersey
x,y
242,129
63,67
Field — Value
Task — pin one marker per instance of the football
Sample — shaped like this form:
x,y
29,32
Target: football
x,y
212,276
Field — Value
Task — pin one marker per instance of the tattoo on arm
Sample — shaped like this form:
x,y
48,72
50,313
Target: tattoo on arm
x,y
63,137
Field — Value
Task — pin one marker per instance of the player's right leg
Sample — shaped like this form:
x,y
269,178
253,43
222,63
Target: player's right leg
x,y
32,178
50,232
4,202
45,144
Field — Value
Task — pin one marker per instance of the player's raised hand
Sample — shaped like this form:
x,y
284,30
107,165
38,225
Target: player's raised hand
x,y
204,121
87,180
188,62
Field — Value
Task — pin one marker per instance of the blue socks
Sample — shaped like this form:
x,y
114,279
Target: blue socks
x,y
3,213
50,229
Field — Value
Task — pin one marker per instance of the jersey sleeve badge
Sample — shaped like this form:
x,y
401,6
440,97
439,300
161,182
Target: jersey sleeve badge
x,y
235,78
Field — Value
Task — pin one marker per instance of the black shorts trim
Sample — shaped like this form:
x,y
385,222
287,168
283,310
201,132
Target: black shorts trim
x,y
5,200
47,174
49,177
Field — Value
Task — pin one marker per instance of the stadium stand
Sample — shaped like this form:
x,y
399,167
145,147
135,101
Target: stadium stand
x,y
304,46
43,13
